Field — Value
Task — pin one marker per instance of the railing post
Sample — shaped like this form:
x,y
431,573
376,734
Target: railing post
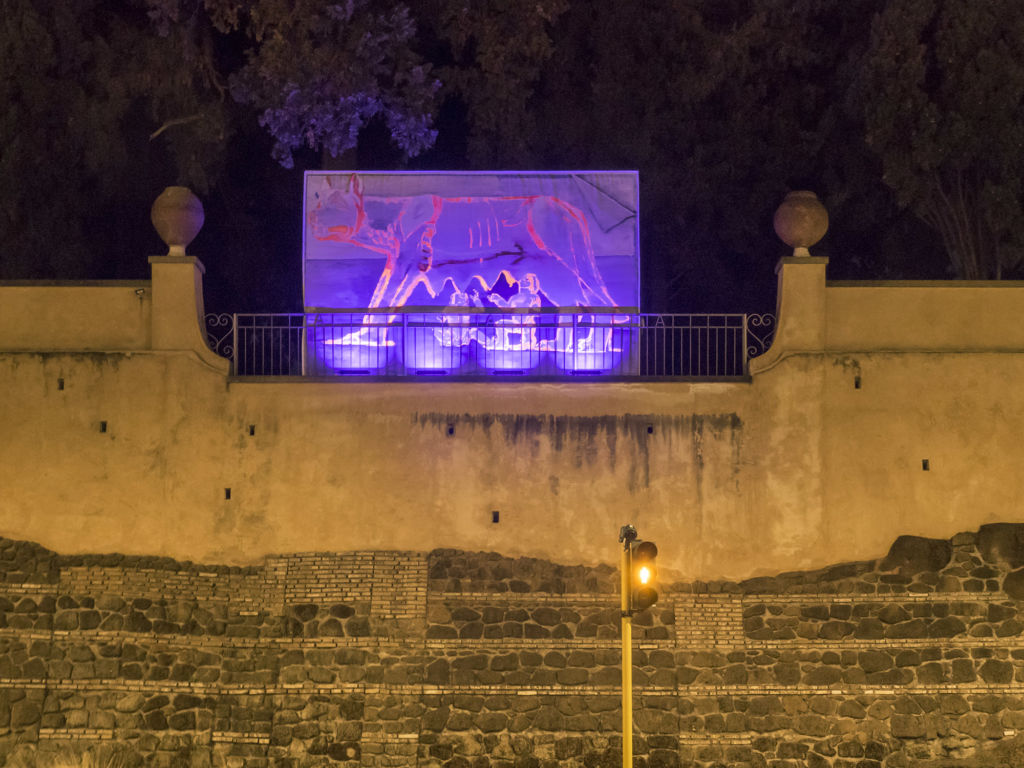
x,y
575,336
746,360
302,344
405,344
234,343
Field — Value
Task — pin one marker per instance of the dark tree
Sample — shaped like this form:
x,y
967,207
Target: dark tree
x,y
944,99
904,115
490,55
107,101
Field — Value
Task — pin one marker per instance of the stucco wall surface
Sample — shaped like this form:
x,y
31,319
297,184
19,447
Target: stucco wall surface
x,y
137,452
792,470
922,441
919,315
75,316
841,439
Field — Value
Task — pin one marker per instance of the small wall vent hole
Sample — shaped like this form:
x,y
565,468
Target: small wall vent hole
x,y
103,426
227,494
252,430
924,465
495,515
60,384
451,430
856,382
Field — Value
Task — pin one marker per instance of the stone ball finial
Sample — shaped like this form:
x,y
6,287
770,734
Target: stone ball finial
x,y
177,216
801,221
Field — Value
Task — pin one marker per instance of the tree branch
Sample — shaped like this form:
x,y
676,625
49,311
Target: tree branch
x,y
951,222
176,121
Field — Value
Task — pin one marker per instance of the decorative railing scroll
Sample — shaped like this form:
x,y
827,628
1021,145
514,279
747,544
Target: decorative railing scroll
x,y
220,335
760,333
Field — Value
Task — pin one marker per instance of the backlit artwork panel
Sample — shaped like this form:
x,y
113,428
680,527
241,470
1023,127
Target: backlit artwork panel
x,y
516,243
418,239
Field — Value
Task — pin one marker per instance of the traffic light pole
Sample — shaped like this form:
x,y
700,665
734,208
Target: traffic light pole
x,y
627,648
639,592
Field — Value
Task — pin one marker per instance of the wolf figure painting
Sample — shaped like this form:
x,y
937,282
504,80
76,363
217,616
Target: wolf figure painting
x,y
396,240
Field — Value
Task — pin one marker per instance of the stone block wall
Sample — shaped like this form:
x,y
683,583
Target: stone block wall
x,y
466,660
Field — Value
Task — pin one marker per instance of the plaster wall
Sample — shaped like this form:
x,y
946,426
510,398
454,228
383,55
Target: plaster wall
x,y
100,315
922,407
948,316
374,465
927,442
817,458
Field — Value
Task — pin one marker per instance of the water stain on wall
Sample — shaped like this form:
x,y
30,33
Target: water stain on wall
x,y
588,440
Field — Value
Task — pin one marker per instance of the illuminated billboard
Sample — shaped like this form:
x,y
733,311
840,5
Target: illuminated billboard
x,y
518,243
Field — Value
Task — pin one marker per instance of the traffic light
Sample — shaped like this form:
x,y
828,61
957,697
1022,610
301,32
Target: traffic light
x,y
644,576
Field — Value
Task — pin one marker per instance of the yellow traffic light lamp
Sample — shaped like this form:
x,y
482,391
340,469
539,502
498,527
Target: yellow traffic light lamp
x,y
644,575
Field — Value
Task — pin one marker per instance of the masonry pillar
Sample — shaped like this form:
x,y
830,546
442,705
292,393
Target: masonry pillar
x,y
790,381
800,222
177,278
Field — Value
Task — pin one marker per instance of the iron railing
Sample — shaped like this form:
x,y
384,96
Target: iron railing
x,y
481,343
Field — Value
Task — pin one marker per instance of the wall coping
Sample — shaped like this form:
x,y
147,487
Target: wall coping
x,y
924,283
575,384
75,283
186,259
799,260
